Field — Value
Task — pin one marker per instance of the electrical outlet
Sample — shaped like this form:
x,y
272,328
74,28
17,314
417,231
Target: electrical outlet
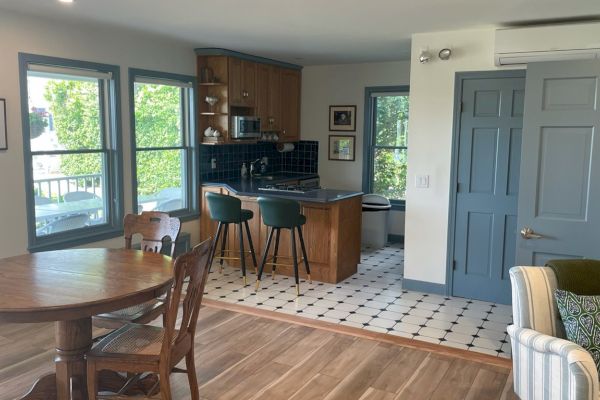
x,y
422,181
213,163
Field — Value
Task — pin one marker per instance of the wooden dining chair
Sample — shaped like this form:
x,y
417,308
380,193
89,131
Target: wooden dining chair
x,y
154,227
138,349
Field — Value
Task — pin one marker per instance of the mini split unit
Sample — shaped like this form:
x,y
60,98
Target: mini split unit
x,y
547,43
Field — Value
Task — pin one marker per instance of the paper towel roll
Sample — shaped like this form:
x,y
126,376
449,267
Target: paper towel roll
x,y
285,147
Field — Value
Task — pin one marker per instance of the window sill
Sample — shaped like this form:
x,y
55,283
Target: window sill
x,y
73,240
186,216
398,205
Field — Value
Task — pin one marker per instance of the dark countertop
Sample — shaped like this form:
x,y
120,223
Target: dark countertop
x,y
249,187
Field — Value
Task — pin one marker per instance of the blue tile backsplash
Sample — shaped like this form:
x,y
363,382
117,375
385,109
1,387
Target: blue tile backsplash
x,y
303,159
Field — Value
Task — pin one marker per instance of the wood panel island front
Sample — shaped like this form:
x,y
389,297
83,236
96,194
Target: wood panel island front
x,y
331,233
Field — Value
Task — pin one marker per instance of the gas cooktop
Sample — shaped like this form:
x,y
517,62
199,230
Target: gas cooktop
x,y
282,187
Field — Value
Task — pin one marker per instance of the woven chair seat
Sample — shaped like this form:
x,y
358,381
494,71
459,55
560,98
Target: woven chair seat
x,y
133,339
133,311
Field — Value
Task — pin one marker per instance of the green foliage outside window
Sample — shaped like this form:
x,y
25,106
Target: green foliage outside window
x,y
75,107
37,124
157,124
391,125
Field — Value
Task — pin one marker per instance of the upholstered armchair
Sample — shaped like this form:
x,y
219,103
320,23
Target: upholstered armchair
x,y
545,364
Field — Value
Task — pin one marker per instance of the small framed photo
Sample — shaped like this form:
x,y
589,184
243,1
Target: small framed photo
x,y
342,118
3,143
341,148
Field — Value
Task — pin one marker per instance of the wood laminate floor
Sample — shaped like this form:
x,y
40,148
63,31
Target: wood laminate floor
x,y
255,355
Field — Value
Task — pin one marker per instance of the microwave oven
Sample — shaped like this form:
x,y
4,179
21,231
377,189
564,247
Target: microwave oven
x,y
245,127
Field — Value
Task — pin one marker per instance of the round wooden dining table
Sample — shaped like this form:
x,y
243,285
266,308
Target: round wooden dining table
x,y
69,287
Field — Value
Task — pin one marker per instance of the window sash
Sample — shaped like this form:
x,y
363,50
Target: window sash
x,y
107,77
46,71
163,81
370,143
187,139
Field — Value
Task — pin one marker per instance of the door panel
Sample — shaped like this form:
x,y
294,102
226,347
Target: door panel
x,y
479,252
235,82
248,83
489,151
560,185
275,98
483,160
262,95
564,168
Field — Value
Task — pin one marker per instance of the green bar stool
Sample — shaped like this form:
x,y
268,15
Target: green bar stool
x,y
228,210
280,214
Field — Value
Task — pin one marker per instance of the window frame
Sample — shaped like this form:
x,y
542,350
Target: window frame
x,y
111,147
189,141
369,145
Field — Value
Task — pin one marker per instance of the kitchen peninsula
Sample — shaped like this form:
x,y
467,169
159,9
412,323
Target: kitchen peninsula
x,y
331,233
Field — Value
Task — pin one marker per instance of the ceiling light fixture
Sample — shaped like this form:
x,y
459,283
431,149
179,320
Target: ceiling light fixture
x,y
67,1
445,54
424,57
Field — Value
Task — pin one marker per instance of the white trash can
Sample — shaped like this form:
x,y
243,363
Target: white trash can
x,y
375,220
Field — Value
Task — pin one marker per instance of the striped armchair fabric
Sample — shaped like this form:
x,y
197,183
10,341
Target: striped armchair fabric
x,y
545,365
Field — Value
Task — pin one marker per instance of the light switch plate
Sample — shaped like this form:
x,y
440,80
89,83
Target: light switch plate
x,y
422,181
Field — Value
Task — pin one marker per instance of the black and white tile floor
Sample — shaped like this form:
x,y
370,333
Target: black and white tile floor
x,y
373,299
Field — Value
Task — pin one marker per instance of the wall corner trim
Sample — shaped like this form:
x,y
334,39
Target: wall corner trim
x,y
422,286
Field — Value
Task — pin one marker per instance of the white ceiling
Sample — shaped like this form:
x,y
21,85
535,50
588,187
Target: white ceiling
x,y
306,32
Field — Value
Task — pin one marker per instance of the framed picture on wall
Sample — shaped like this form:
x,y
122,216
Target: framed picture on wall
x,y
3,143
342,118
341,148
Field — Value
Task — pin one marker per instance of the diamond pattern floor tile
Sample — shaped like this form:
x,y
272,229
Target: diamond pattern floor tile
x,y
374,299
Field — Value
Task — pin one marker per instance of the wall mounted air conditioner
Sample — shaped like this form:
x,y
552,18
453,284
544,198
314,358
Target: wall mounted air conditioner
x,y
547,43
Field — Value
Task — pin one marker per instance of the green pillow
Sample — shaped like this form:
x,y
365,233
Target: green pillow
x,y
581,318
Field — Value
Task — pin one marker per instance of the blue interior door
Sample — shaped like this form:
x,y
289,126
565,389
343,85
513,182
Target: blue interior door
x,y
559,195
489,152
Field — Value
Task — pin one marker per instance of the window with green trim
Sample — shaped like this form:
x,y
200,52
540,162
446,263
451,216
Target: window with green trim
x,y
72,151
164,151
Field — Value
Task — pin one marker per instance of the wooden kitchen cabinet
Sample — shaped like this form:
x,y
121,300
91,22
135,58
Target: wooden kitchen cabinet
x,y
208,227
268,97
290,105
242,82
262,95
274,99
244,87
331,234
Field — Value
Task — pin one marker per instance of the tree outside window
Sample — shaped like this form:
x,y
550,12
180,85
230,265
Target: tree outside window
x,y
389,145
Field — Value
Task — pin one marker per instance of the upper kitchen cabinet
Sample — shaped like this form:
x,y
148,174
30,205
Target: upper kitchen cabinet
x,y
268,97
240,84
274,100
290,105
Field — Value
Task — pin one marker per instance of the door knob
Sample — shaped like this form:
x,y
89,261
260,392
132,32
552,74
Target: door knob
x,y
528,233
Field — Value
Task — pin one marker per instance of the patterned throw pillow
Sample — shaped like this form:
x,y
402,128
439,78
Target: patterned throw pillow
x,y
581,317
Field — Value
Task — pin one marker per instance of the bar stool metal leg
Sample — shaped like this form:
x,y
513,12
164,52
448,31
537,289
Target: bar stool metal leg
x,y
213,247
242,253
251,246
295,258
275,253
264,259
223,243
304,256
